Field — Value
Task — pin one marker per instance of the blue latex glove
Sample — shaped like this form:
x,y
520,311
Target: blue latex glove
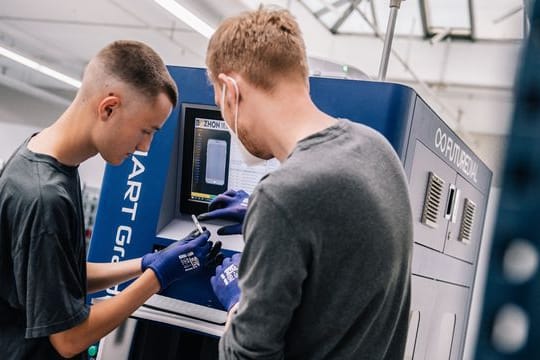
x,y
215,256
231,205
225,283
180,259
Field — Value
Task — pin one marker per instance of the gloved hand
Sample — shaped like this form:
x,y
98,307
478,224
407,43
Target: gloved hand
x,y
225,283
215,256
231,205
181,258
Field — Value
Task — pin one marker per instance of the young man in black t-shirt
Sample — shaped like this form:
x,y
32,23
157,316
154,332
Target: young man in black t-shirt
x,y
126,95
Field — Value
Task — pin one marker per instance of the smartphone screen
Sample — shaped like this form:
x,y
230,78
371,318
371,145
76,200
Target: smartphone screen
x,y
216,159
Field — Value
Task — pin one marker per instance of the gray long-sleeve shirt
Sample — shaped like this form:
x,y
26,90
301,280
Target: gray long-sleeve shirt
x,y
325,272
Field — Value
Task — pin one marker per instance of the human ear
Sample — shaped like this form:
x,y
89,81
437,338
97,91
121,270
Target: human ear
x,y
108,106
229,85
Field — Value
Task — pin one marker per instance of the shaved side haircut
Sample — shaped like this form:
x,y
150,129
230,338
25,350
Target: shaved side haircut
x,y
139,66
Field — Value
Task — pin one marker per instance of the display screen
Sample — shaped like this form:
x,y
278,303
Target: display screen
x,y
211,146
212,162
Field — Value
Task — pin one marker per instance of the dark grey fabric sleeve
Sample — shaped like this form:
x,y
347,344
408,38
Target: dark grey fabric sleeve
x,y
47,269
271,274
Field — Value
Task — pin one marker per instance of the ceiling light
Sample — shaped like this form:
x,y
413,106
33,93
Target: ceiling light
x,y
187,17
39,67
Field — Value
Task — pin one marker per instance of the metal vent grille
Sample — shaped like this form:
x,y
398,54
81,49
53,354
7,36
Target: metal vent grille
x,y
467,221
432,202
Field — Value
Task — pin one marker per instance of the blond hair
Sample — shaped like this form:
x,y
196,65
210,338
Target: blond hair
x,y
260,45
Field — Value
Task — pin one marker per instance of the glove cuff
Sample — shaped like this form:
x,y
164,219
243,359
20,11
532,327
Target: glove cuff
x,y
233,302
146,260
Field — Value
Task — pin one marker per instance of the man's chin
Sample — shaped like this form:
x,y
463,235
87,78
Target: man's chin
x,y
117,162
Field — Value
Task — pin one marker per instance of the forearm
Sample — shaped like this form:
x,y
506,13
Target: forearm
x,y
101,276
106,316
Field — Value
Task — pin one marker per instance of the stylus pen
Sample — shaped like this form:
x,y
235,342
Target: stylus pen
x,y
197,223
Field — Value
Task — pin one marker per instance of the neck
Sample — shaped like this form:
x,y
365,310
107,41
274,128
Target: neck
x,y
287,116
67,139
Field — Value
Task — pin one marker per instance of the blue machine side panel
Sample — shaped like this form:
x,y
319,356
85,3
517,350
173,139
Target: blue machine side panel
x,y
385,107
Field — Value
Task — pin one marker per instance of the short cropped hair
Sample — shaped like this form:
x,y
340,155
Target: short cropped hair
x,y
260,45
139,66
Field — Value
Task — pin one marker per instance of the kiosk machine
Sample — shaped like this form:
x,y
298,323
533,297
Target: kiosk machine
x,y
147,202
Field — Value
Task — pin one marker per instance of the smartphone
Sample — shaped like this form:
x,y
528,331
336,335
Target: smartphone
x,y
216,159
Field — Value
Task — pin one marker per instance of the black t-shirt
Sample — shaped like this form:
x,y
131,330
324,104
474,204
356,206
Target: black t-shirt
x,y
42,254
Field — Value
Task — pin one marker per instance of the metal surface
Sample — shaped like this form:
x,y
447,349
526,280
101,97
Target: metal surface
x,y
394,8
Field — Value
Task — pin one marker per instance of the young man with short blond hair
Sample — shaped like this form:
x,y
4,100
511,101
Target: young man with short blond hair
x,y
325,272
